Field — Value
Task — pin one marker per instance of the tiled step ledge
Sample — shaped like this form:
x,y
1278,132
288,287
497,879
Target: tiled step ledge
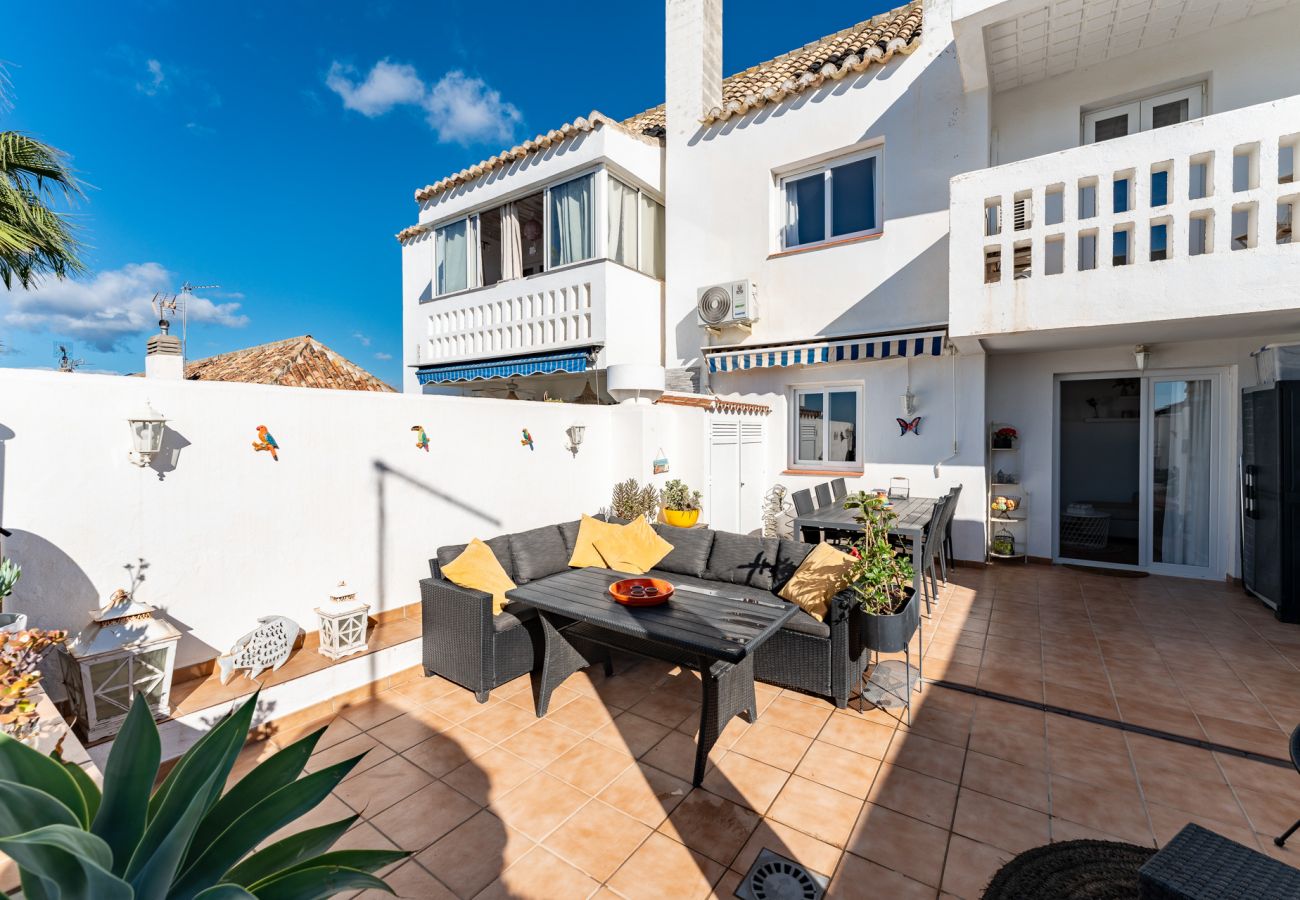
x,y
306,688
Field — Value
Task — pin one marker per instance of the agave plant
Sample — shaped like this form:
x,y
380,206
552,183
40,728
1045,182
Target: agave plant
x,y
184,840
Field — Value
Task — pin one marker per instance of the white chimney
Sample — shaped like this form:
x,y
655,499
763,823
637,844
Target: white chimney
x,y
693,64
163,357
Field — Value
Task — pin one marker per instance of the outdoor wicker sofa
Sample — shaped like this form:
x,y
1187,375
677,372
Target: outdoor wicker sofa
x,y
465,643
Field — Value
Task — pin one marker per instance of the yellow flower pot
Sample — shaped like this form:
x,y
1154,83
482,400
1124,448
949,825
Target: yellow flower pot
x,y
681,518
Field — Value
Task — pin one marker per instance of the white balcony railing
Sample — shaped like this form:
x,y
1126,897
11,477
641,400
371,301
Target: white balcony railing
x,y
541,313
1161,224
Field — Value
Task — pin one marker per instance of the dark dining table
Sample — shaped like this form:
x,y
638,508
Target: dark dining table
x,y
913,515
701,628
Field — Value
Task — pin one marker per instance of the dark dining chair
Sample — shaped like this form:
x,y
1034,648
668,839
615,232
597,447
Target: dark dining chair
x,y
803,505
1295,761
823,495
946,560
839,490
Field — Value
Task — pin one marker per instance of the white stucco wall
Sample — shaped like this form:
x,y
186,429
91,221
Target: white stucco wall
x,y
230,535
1244,63
950,411
1021,391
722,207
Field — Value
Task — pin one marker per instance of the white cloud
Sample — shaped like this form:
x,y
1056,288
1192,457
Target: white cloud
x,y
465,110
109,309
156,81
460,109
363,339
387,85
383,356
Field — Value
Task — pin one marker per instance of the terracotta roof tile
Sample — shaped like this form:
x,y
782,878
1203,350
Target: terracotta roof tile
x,y
297,362
852,50
833,57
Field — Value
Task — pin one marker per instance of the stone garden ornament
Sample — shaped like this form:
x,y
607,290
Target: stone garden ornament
x,y
265,647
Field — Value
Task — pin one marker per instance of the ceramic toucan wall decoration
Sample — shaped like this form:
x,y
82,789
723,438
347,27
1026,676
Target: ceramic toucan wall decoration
x,y
266,442
421,438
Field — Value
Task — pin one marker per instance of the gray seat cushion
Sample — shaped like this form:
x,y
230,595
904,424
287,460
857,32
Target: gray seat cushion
x,y
742,559
789,556
801,621
499,545
690,553
538,553
514,615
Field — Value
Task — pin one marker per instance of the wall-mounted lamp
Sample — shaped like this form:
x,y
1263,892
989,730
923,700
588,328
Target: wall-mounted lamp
x,y
908,402
1142,354
147,429
576,434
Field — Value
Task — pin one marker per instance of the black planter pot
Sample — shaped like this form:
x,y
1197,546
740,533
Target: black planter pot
x,y
892,633
1001,443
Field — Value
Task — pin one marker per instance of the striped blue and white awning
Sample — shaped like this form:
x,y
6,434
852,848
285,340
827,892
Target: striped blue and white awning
x,y
541,364
881,346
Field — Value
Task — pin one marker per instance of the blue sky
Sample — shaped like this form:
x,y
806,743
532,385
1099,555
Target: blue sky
x,y
273,148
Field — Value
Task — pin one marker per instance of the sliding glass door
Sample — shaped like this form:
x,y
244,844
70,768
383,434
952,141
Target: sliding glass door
x,y
1140,481
1182,462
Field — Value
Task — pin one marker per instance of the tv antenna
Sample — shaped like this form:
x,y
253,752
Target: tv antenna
x,y
169,305
63,353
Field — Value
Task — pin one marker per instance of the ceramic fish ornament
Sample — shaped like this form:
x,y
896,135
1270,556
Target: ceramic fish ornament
x,y
266,442
421,439
265,647
528,440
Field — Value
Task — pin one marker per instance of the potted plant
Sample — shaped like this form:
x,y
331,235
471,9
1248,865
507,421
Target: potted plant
x,y
1004,438
631,499
9,575
681,504
879,577
183,835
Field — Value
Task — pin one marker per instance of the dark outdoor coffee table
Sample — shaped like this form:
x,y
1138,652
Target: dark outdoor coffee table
x,y
701,628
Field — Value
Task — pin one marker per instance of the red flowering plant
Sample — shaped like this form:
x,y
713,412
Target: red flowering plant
x,y
20,655
879,576
1008,433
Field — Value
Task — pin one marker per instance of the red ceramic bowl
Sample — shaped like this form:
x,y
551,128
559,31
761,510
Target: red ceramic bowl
x,y
622,591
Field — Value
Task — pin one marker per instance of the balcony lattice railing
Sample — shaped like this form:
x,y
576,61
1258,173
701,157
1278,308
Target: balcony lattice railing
x,y
514,317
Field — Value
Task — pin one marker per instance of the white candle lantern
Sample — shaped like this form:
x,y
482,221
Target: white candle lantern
x,y
123,651
343,622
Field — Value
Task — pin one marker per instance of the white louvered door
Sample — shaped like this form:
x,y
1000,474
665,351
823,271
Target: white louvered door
x,y
737,450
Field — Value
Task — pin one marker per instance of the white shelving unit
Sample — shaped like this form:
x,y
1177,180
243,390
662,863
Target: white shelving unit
x,y
1006,460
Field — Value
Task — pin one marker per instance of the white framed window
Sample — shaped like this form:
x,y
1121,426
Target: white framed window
x,y
825,426
636,229
1144,114
455,255
835,200
569,221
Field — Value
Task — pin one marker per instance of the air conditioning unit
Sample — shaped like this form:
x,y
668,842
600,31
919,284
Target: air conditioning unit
x,y
721,305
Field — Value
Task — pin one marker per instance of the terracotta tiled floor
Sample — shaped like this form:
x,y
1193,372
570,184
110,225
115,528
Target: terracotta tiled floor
x,y
595,800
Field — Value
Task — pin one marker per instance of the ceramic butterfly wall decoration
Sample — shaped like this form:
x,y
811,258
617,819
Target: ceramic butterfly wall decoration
x,y
905,426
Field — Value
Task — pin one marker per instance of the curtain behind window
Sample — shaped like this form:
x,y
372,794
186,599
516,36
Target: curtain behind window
x,y
451,246
652,238
622,235
571,221
512,253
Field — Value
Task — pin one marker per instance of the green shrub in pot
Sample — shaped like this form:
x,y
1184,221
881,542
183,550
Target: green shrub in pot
x,y
880,576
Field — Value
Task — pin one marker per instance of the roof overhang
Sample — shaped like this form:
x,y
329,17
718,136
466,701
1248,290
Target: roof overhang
x,y
898,345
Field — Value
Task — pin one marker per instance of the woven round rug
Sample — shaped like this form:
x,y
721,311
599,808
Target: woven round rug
x,y
1071,870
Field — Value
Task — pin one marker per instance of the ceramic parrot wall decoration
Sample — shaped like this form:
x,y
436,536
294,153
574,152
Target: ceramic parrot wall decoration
x,y
266,442
527,441
421,439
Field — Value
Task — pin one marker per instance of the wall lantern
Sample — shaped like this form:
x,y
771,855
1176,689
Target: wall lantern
x,y
576,434
124,650
343,622
1142,354
908,402
147,429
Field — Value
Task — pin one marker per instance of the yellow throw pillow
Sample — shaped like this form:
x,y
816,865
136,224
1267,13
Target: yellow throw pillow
x,y
820,577
584,548
635,548
478,570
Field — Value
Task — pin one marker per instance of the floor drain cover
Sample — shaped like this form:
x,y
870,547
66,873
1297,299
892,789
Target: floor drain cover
x,y
773,877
